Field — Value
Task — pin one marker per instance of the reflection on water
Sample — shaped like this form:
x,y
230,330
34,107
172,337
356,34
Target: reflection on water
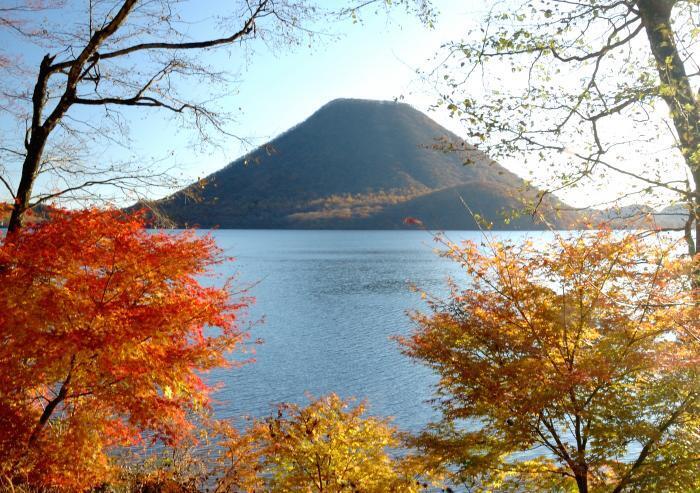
x,y
331,301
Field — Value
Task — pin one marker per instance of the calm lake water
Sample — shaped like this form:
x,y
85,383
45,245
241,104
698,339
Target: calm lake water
x,y
331,300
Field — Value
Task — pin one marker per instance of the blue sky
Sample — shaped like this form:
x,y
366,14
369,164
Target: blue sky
x,y
278,87
275,88
376,58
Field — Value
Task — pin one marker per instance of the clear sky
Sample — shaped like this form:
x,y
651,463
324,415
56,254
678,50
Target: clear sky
x,y
278,87
375,58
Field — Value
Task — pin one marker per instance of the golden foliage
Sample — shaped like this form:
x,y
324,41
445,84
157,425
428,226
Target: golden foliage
x,y
571,365
327,446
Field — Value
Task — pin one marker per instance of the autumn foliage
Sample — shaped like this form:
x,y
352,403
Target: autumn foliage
x,y
327,446
105,329
571,366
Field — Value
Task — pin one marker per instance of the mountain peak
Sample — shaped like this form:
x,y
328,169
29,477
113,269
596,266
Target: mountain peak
x,y
367,106
354,163
362,101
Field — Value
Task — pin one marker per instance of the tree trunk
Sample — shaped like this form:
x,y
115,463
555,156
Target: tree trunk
x,y
676,91
51,406
582,483
46,415
581,476
40,131
30,169
34,145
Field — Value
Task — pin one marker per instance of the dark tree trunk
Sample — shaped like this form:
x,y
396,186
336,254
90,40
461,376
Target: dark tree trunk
x,y
582,483
46,415
40,130
51,406
30,169
676,91
581,475
34,146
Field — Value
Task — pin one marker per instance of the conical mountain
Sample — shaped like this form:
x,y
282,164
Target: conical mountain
x,y
354,164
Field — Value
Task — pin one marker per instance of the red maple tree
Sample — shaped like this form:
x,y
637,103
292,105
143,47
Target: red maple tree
x,y
105,328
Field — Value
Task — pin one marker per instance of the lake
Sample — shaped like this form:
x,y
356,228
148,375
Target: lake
x,y
331,300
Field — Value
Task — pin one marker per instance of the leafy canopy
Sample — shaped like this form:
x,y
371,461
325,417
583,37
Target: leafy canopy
x,y
594,94
326,446
571,365
105,328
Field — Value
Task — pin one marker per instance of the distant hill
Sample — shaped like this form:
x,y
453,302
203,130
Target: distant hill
x,y
636,216
36,214
358,164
